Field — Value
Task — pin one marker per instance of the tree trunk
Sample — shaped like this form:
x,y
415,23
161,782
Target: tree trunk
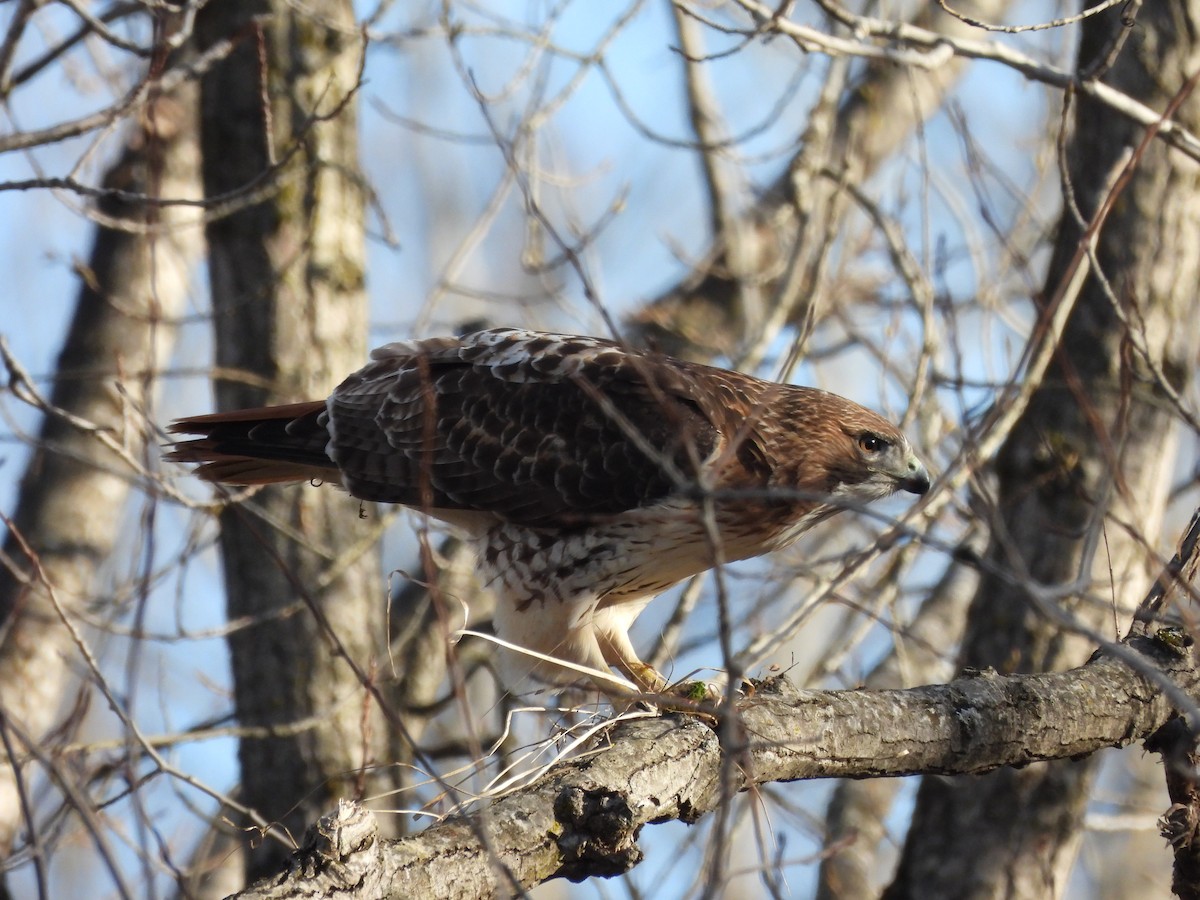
x,y
290,310
93,440
1084,474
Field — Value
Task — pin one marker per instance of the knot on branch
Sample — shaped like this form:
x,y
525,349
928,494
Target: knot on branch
x,y
1179,825
337,843
599,835
772,685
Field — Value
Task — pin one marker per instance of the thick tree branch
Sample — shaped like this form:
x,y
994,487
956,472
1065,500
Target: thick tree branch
x,y
583,817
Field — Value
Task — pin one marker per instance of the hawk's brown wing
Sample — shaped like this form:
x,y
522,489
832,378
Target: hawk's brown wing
x,y
538,429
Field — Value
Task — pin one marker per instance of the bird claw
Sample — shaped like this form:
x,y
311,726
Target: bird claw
x,y
702,699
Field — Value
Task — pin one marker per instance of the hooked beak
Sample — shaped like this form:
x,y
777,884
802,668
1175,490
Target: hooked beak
x,y
916,480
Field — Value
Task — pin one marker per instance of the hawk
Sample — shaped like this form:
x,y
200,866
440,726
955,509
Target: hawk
x,y
589,476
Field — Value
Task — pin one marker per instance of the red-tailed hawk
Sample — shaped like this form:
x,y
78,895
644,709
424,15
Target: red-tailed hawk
x,y
590,476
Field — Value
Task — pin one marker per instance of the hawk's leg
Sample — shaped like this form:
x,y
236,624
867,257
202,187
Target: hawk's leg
x,y
555,630
619,653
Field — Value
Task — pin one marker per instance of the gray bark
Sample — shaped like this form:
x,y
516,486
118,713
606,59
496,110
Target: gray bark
x,y
290,314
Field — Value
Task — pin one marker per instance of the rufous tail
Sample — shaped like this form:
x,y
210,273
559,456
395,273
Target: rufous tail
x,y
268,445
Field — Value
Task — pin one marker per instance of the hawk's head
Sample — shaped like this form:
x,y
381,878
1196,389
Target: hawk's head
x,y
832,446
879,461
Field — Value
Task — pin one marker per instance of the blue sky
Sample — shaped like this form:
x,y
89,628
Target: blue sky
x,y
432,190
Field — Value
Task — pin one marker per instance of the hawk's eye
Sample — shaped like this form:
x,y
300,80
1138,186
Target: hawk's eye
x,y
873,443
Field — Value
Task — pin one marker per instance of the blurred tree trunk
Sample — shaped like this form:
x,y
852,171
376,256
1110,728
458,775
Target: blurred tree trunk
x,y
1084,474
290,310
93,439
781,244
